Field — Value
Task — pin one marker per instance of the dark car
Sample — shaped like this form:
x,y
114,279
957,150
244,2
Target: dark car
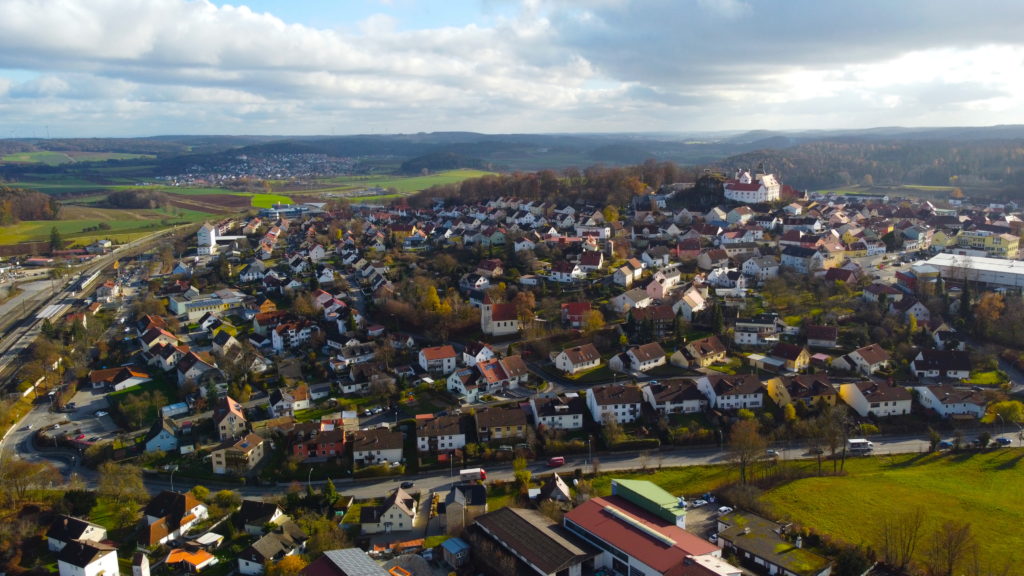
x,y
1003,441
407,484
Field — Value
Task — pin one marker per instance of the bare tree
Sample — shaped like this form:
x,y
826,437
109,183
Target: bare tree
x,y
746,446
948,547
900,536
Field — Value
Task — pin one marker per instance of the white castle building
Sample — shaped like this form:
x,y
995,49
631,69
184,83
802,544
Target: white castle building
x,y
752,190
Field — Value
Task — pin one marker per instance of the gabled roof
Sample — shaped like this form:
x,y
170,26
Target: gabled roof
x,y
617,394
582,354
675,391
493,417
67,528
83,553
872,354
256,512
647,352
161,425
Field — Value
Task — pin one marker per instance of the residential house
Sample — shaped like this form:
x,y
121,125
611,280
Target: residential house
x,y
312,444
162,436
630,300
558,412
646,357
812,390
229,419
578,359
591,261
115,379
463,504
476,352
189,560
286,402
573,313
675,396
822,336
193,368
565,272
169,515
440,435
621,402
494,423
732,392
911,307
376,446
759,330
690,303
238,457
866,360
344,562
707,351
66,529
663,283
396,514
654,322
285,539
764,543
254,516
951,402
941,364
875,399
438,359
795,358
87,558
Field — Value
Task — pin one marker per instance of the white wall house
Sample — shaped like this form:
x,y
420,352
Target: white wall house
x,y
949,401
878,400
83,558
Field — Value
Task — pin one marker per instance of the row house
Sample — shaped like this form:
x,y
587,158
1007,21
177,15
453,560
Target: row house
x,y
811,390
311,444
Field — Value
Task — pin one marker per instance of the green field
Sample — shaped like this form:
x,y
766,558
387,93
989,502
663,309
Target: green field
x,y
404,184
974,486
75,227
56,158
268,200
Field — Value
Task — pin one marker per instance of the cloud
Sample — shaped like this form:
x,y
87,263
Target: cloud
x,y
564,65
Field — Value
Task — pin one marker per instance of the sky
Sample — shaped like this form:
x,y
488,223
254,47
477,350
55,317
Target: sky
x,y
108,68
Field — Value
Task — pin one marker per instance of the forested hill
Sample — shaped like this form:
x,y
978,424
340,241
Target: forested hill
x,y
996,164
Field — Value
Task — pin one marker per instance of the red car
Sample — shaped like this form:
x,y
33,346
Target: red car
x,y
80,436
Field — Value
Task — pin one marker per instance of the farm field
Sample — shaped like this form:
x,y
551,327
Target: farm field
x,y
404,184
80,224
51,158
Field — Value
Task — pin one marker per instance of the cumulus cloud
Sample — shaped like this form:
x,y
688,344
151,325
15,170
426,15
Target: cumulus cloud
x,y
565,65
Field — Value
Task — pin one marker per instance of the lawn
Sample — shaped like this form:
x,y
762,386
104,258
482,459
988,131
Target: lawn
x,y
268,200
56,158
989,378
968,487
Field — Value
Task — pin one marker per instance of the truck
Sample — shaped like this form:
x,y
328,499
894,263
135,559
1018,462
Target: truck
x,y
859,445
471,474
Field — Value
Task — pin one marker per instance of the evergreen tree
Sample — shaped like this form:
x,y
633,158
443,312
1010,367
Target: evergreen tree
x,y
717,320
56,240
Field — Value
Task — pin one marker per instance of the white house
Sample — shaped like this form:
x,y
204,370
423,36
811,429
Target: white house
x,y
561,412
646,356
68,528
866,360
948,401
690,303
376,446
162,436
622,402
578,359
732,392
439,435
878,400
675,396
396,514
438,359
169,515
752,190
85,558
942,364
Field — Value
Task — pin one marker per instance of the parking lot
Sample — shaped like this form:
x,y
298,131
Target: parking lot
x,y
83,420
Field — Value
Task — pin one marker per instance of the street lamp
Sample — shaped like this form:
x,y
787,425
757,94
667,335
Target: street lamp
x,y
590,452
309,484
173,470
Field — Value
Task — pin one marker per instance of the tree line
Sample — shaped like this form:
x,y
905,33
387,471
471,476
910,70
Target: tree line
x,y
17,204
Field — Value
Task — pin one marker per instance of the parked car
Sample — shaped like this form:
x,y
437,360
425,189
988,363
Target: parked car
x,y
723,510
101,413
698,503
770,453
1003,441
407,484
945,445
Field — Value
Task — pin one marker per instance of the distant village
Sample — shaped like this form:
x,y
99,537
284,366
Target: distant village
x,y
377,341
